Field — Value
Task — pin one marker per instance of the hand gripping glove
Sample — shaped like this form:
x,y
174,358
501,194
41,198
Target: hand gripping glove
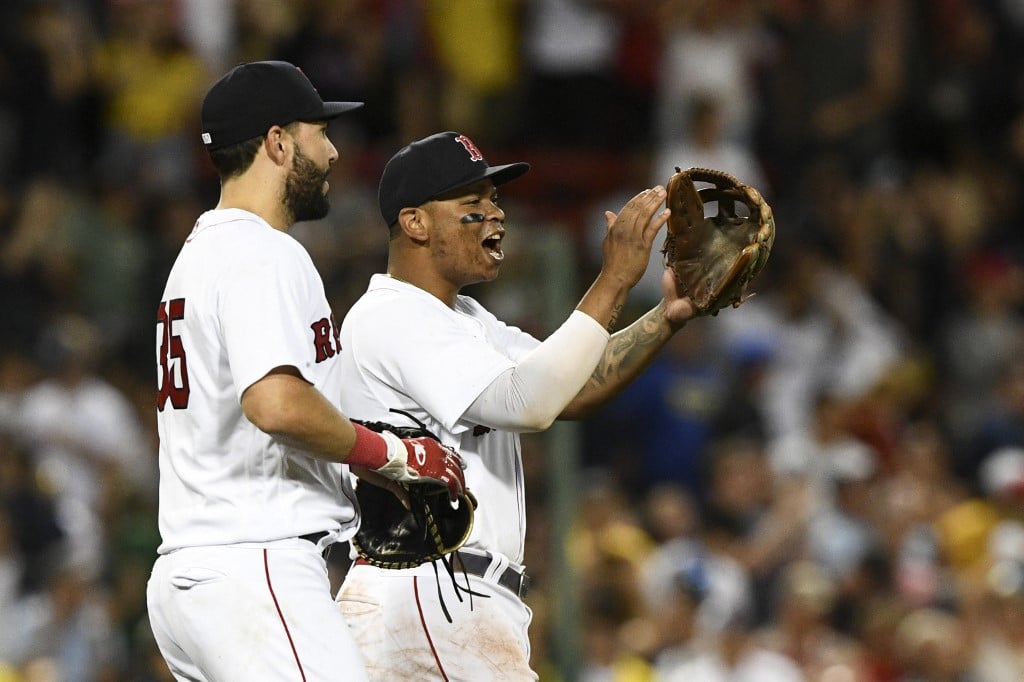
x,y
716,257
441,515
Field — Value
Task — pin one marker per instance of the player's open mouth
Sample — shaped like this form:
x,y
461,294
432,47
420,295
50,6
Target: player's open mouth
x,y
493,246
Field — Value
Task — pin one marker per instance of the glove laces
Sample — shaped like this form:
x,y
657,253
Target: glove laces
x,y
448,561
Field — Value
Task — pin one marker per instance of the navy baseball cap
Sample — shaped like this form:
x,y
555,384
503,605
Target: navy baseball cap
x,y
250,98
427,168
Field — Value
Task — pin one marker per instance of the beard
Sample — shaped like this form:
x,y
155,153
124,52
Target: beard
x,y
304,190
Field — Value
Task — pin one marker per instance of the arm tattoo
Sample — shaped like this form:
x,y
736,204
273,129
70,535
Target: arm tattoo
x,y
631,350
615,317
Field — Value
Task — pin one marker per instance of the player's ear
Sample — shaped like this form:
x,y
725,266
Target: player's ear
x,y
413,223
274,143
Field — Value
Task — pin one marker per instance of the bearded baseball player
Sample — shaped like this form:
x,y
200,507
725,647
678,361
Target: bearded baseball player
x,y
412,342
253,446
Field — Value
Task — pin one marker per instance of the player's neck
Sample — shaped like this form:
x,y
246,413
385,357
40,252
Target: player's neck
x,y
436,287
252,193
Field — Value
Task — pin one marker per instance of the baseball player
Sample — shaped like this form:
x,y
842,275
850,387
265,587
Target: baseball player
x,y
252,485
477,383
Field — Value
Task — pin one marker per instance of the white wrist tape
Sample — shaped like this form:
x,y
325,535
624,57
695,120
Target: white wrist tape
x,y
397,467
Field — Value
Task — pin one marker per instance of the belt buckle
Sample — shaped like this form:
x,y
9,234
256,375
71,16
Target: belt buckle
x,y
519,582
524,585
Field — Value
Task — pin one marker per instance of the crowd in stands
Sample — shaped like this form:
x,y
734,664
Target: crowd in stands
x,y
825,484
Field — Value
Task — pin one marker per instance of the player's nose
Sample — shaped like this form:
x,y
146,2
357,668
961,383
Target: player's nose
x,y
495,212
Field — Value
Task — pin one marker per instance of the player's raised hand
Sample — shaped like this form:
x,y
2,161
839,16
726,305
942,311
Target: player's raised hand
x,y
630,237
678,308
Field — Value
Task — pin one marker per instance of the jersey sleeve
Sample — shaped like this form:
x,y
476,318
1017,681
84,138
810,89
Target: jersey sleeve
x,y
440,359
265,312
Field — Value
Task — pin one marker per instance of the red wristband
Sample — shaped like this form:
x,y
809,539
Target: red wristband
x,y
370,449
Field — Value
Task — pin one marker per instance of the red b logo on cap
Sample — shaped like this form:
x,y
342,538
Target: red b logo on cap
x,y
474,153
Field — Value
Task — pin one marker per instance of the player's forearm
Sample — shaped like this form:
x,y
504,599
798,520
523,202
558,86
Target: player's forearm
x,y
627,354
605,299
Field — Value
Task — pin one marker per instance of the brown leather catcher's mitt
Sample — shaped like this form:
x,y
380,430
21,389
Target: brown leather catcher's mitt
x,y
390,536
716,257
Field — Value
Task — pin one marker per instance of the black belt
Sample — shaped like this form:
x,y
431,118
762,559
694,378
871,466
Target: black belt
x,y
511,579
315,538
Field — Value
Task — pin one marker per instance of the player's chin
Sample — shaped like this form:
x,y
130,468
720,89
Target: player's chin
x,y
480,275
491,270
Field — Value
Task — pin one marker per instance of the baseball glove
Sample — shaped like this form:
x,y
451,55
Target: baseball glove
x,y
391,536
716,257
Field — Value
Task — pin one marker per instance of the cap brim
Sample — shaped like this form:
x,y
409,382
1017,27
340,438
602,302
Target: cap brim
x,y
502,174
499,175
332,109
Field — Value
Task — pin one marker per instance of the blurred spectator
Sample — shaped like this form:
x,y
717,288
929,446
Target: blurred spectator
x,y
607,655
702,144
47,78
823,453
850,57
720,584
478,86
260,28
733,655
569,52
208,29
36,263
989,529
340,45
637,171
841,536
1003,425
980,341
710,50
801,626
935,647
823,330
65,630
84,437
758,525
11,570
147,77
918,490
33,536
608,546
999,655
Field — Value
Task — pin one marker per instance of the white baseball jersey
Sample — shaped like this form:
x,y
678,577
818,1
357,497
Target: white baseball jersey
x,y
236,592
241,299
403,348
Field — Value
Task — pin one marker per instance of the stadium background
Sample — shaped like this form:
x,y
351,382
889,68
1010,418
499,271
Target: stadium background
x,y
830,477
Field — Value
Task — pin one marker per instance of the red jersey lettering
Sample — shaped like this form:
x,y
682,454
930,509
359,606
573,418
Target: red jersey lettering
x,y
324,337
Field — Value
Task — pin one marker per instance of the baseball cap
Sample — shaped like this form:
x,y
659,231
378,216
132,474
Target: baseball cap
x,y
250,98
427,168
